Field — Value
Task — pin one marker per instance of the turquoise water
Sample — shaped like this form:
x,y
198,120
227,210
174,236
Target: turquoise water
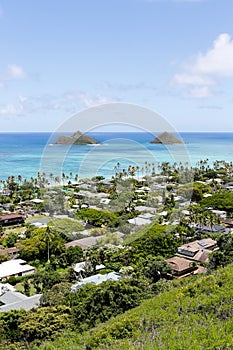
x,y
26,154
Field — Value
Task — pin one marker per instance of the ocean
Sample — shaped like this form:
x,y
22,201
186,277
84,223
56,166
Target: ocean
x,y
26,154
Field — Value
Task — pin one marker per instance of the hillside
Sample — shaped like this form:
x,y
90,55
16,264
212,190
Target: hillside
x,y
194,314
167,139
76,139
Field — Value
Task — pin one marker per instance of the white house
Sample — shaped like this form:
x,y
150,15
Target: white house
x,y
96,279
16,267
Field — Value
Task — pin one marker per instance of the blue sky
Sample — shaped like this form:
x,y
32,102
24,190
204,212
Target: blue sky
x,y
60,57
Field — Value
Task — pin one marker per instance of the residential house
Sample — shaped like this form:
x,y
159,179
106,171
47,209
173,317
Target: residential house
x,y
198,250
84,243
16,267
221,213
182,267
143,208
142,219
96,279
87,242
11,300
208,228
11,219
13,252
80,269
227,222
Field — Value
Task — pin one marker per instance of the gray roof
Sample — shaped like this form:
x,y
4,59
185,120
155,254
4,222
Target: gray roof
x,y
6,287
146,216
11,297
97,279
42,221
145,208
17,301
85,242
138,221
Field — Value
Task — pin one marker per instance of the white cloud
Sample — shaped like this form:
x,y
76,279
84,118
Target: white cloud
x,y
128,86
199,92
11,109
69,102
13,72
16,72
218,61
207,68
192,79
86,100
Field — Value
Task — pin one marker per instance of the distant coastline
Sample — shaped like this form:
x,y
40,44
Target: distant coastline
x,y
21,153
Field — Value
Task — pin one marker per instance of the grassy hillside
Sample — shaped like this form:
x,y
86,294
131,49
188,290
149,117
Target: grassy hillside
x,y
196,314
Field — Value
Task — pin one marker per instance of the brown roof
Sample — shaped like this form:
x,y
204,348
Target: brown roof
x,y
11,216
9,250
179,264
205,243
202,255
227,221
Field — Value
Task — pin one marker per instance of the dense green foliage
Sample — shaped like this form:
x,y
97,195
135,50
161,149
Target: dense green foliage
x,y
158,240
194,314
221,201
98,218
191,313
224,255
63,310
41,323
95,304
40,244
67,228
194,191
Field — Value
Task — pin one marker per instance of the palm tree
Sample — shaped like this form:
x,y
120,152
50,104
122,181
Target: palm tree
x,y
64,177
51,177
57,179
19,178
48,236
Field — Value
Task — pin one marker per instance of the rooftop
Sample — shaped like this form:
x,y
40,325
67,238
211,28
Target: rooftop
x,y
84,242
17,301
14,267
179,264
11,216
139,221
198,250
206,243
96,279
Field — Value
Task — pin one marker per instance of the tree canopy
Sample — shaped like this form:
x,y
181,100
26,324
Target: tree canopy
x,y
99,218
220,201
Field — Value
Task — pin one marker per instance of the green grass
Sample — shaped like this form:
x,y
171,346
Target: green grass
x,y
66,225
20,288
36,217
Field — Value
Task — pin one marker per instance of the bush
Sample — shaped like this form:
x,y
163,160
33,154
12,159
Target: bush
x,y
99,218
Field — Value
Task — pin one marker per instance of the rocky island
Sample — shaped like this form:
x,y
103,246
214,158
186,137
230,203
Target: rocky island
x,y
76,139
166,139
